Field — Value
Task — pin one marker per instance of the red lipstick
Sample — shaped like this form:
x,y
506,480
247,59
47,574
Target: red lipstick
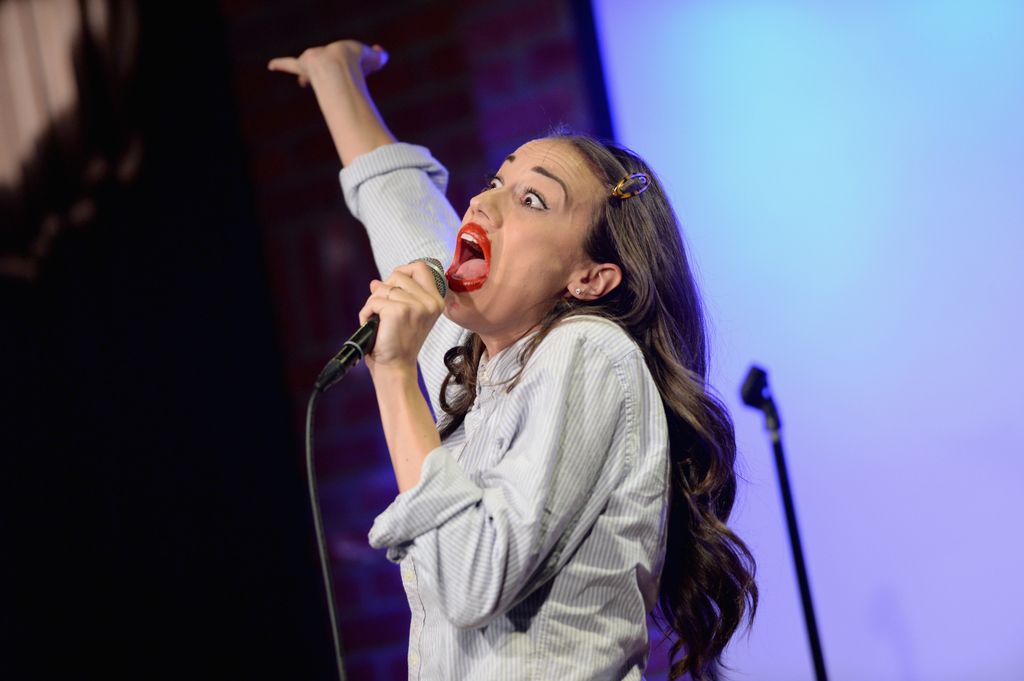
x,y
472,261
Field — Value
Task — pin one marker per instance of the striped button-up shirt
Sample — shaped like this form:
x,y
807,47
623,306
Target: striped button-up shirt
x,y
532,544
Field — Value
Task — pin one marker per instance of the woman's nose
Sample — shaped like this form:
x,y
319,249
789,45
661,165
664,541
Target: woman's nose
x,y
483,204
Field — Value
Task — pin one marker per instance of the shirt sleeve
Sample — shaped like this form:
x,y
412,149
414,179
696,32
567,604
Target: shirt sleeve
x,y
488,541
397,192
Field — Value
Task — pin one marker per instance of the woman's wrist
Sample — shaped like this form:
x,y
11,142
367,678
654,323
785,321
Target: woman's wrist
x,y
394,375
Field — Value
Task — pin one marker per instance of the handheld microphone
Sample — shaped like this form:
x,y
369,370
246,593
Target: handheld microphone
x,y
361,342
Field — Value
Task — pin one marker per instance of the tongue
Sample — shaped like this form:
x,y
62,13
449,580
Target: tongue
x,y
472,269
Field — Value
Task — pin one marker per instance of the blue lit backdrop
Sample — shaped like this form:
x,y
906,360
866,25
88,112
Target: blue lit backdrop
x,y
849,177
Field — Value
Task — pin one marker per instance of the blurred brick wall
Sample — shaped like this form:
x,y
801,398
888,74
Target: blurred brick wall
x,y
472,81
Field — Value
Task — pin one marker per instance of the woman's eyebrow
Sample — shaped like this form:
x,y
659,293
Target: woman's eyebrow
x,y
547,173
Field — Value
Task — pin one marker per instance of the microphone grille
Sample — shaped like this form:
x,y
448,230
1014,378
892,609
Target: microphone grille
x,y
439,281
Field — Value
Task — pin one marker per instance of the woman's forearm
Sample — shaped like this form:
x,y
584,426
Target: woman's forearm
x,y
408,426
352,118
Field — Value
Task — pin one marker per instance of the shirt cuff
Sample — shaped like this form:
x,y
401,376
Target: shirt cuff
x,y
443,491
386,159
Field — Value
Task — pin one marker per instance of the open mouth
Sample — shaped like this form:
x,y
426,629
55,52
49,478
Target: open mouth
x,y
472,261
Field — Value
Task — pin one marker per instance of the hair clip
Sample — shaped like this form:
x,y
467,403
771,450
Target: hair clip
x,y
631,185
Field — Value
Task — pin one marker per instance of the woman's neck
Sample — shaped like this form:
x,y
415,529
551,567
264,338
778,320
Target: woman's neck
x,y
495,343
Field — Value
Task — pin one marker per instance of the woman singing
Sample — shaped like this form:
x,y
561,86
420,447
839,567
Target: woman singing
x,y
580,474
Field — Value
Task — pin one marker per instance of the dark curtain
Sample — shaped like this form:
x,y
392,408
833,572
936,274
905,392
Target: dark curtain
x,y
154,520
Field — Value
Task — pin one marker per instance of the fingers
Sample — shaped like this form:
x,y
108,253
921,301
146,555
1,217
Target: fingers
x,y
343,52
404,288
377,301
389,291
373,59
404,296
392,303
286,64
388,299
290,65
422,274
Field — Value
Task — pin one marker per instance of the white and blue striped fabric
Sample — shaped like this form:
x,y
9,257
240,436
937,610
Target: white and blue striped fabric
x,y
532,545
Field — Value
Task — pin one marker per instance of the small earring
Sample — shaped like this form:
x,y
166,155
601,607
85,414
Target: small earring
x,y
578,291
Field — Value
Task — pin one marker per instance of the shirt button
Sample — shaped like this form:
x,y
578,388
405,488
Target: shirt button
x,y
407,576
414,659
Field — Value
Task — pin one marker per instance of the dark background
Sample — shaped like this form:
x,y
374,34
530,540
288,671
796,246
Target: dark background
x,y
155,366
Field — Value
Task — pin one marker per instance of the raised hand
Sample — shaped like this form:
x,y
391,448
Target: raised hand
x,y
332,60
338,73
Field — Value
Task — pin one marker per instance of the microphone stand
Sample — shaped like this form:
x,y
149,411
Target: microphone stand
x,y
755,393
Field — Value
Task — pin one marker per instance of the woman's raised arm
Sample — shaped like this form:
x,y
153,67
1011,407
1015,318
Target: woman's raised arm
x,y
338,73
396,192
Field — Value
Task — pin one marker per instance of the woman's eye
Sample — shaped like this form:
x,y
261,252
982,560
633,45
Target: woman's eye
x,y
532,199
493,182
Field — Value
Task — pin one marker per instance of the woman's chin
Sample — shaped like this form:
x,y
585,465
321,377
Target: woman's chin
x,y
456,305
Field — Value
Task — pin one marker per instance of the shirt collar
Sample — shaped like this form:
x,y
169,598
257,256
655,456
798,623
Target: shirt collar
x,y
492,371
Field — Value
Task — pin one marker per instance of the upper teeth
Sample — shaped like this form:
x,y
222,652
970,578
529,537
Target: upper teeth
x,y
470,238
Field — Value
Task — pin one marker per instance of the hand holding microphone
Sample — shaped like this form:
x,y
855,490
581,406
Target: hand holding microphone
x,y
395,320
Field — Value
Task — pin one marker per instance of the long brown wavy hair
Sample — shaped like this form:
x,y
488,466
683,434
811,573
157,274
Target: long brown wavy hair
x,y
707,584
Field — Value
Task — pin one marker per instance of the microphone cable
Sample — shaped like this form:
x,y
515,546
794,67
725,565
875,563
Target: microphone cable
x,y
321,539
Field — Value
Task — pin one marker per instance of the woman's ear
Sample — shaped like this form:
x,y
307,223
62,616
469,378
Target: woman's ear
x,y
594,281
